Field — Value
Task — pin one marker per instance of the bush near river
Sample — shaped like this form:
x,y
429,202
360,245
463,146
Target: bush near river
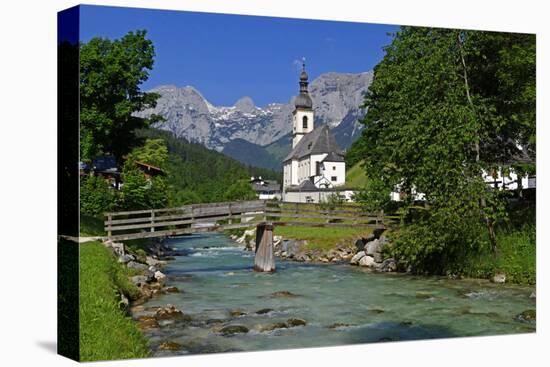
x,y
106,332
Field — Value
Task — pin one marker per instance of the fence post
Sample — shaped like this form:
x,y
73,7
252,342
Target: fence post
x,y
230,220
152,220
109,219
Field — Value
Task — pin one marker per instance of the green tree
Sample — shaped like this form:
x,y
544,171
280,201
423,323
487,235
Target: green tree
x,y
240,190
434,126
111,72
96,197
153,152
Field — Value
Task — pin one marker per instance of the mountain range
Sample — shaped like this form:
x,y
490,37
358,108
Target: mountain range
x,y
261,136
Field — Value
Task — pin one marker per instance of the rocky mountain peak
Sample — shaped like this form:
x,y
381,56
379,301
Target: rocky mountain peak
x,y
245,104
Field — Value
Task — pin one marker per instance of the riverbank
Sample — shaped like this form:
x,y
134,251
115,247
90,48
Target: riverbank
x,y
106,331
514,263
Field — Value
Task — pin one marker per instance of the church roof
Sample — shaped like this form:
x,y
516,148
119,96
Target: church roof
x,y
333,157
318,141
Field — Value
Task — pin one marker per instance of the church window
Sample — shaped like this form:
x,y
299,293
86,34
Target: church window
x,y
333,178
304,122
334,168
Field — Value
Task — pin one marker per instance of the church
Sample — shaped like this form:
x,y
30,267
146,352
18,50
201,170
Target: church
x,y
315,167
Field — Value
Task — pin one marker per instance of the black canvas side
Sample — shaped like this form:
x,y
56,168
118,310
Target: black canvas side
x,y
68,183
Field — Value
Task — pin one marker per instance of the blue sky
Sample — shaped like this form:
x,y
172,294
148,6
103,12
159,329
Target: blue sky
x,y
229,56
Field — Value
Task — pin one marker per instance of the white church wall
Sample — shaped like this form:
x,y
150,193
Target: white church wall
x,y
316,196
335,172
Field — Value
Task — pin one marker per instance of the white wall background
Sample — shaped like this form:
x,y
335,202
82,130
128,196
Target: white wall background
x,y
28,154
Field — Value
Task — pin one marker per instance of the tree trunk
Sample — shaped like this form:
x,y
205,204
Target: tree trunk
x,y
482,202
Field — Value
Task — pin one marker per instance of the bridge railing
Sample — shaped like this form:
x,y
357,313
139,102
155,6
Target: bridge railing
x,y
194,218
185,219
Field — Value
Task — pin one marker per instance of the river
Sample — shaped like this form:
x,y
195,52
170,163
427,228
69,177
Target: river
x,y
341,304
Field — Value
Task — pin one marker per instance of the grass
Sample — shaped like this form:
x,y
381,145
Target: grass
x,y
321,238
91,226
516,257
106,332
355,176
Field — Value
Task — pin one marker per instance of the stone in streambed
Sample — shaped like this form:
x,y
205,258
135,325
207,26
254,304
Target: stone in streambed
x,y
296,322
238,313
172,290
170,346
271,327
264,311
529,316
233,329
147,323
499,278
283,294
170,312
338,325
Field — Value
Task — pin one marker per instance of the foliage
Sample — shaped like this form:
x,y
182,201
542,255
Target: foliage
x,y
111,72
240,190
516,258
91,226
332,201
96,196
355,175
436,122
105,331
153,152
139,192
197,174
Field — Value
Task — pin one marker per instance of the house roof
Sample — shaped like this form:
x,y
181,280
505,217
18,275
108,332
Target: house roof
x,y
318,141
266,186
105,163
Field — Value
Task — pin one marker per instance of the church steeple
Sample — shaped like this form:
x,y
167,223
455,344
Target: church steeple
x,y
303,112
303,100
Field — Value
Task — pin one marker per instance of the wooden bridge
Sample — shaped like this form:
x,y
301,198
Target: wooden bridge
x,y
196,218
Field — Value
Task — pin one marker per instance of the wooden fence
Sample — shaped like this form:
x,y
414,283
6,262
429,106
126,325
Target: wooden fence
x,y
195,218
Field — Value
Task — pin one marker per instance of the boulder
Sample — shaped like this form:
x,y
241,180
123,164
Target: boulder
x,y
139,280
378,257
296,322
151,261
388,265
124,259
499,278
160,277
373,247
237,313
357,257
170,312
274,326
171,290
147,322
117,247
137,266
367,261
264,311
233,329
359,244
172,346
529,316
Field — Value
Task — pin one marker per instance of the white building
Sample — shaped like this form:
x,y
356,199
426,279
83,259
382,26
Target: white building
x,y
316,163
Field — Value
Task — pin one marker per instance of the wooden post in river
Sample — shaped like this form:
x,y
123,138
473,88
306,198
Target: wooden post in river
x,y
264,260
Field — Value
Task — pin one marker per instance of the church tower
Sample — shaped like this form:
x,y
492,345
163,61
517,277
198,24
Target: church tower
x,y
302,121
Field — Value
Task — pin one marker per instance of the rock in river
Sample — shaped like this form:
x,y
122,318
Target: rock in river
x,y
283,294
274,326
358,256
296,322
148,322
527,316
233,329
367,261
170,346
499,278
264,311
170,312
